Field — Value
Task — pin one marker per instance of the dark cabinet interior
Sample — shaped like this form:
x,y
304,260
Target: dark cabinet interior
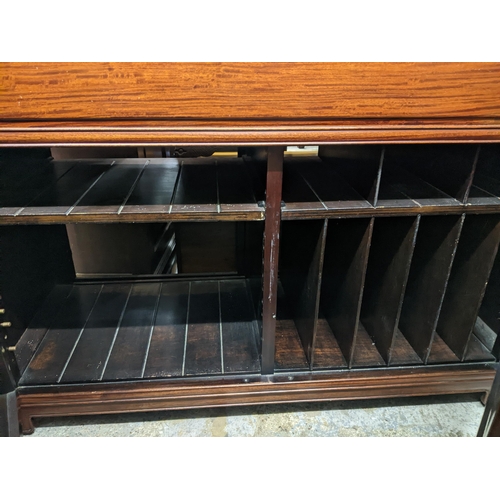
x,y
140,270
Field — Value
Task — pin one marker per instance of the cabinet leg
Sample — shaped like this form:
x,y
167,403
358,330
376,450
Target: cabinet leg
x,y
490,424
26,422
494,430
484,397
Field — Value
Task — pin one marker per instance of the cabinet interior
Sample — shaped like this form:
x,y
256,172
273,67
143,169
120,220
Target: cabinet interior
x,y
139,269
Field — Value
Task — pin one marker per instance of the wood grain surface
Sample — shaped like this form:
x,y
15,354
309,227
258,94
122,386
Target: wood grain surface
x,y
272,103
243,90
161,395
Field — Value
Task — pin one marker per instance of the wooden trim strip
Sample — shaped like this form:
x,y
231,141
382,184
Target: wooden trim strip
x,y
268,136
146,396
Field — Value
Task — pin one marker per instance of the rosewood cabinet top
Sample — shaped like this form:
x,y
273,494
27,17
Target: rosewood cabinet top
x,y
248,103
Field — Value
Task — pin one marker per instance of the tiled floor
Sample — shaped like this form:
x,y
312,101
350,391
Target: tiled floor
x,y
443,416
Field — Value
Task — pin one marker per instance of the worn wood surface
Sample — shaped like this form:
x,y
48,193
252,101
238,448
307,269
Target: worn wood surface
x,y
373,183
301,262
391,251
203,351
128,351
344,270
238,332
435,249
208,327
398,205
166,348
271,256
440,352
161,190
402,353
365,353
39,325
471,268
289,352
127,190
90,356
327,352
336,386
54,351
128,330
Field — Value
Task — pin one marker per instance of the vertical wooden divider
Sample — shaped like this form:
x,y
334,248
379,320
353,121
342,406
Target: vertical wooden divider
x,y
496,348
301,264
435,249
391,252
463,194
469,276
373,196
360,166
271,255
487,327
449,168
344,270
487,175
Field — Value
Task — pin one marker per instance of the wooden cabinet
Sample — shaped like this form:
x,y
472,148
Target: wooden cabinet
x,y
366,270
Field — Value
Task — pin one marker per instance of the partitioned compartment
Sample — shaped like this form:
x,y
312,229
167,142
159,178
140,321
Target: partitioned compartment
x,y
485,188
302,247
360,166
428,175
344,180
197,321
344,269
391,251
486,191
454,339
138,190
437,240
487,326
144,329
367,180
